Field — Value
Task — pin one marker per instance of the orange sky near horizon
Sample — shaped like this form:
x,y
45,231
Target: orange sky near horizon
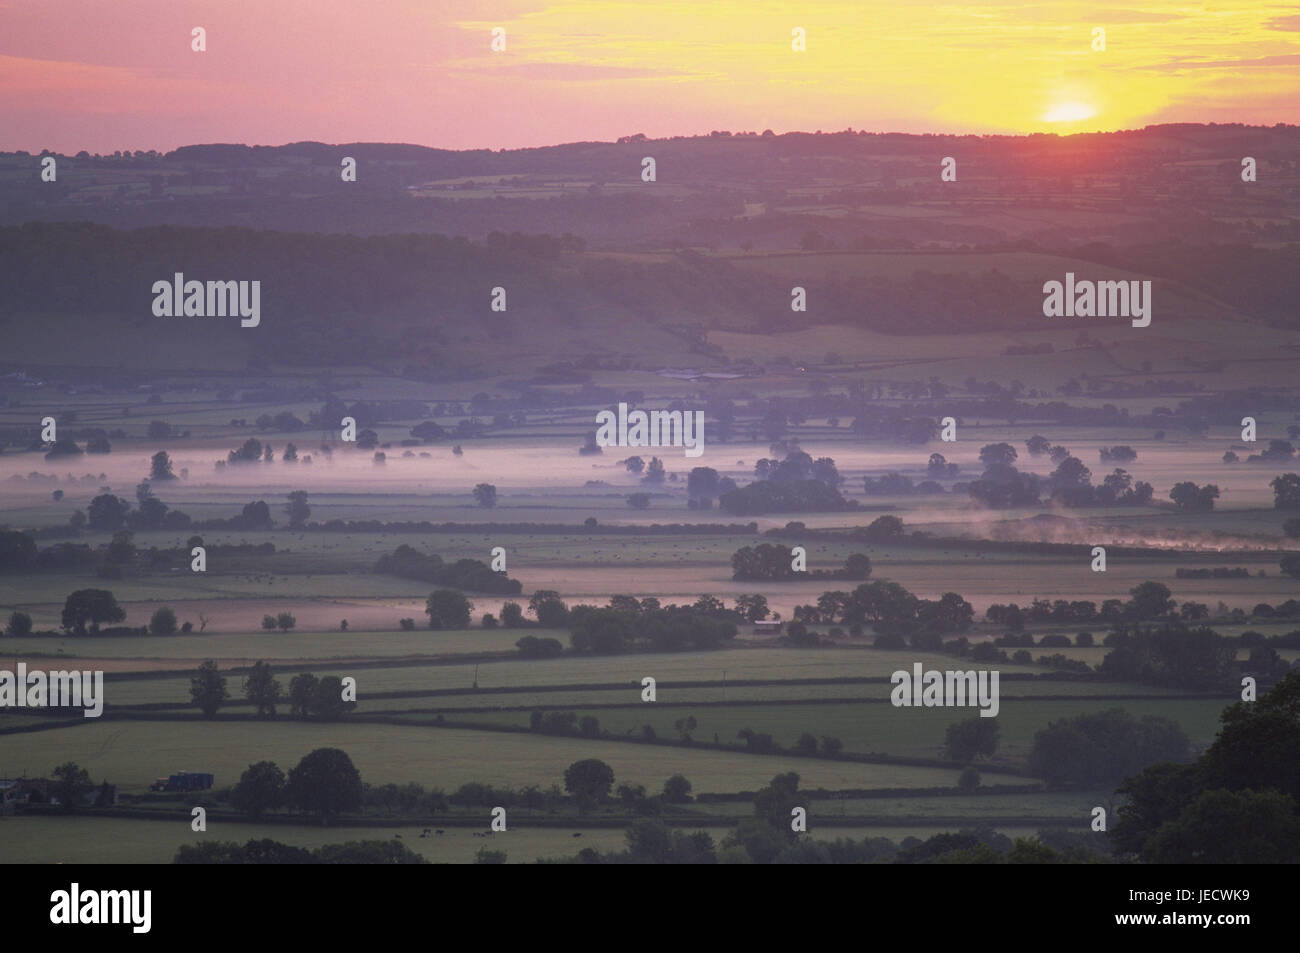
x,y
86,74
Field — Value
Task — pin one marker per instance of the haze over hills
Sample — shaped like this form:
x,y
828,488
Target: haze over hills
x,y
725,189
606,267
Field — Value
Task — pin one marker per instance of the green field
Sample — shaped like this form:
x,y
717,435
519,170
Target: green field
x,y
867,728
83,840
132,754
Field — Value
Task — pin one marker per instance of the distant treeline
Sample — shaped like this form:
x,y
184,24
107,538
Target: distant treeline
x,y
591,528
799,496
472,574
774,561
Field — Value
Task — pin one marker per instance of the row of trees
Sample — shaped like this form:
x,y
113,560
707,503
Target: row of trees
x,y
325,783
472,574
772,561
322,699
1150,601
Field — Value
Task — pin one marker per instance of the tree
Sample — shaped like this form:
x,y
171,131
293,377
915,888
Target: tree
x,y
256,515
1002,485
285,621
160,467
884,527
969,780
752,606
1190,498
1172,655
71,784
998,453
938,466
1286,491
1071,473
589,780
654,473
262,689
702,483
260,789
20,624
633,464
677,790
485,494
1291,527
429,431
63,447
775,802
1103,747
448,609
268,623
1290,565
297,509
122,547
968,739
302,689
17,550
208,688
857,566
107,513
325,782
327,702
163,622
685,726
92,606
250,452
1038,445
290,454
1151,600
549,608
639,501
512,615
1229,827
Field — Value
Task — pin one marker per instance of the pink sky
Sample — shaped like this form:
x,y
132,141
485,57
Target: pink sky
x,y
102,76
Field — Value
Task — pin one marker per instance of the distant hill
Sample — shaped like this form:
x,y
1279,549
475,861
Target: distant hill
x,y
723,190
399,266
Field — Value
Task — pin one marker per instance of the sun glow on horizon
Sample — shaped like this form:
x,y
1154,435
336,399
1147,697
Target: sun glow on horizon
x,y
1069,112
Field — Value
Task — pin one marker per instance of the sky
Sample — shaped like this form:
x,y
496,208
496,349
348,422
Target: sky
x,y
104,75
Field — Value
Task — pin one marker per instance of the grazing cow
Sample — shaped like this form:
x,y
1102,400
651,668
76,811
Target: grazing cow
x,y
398,836
439,831
577,835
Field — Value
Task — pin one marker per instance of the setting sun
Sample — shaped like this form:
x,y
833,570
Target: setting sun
x,y
1069,112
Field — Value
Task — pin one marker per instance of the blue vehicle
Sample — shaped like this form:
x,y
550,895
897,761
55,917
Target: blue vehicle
x,y
183,781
